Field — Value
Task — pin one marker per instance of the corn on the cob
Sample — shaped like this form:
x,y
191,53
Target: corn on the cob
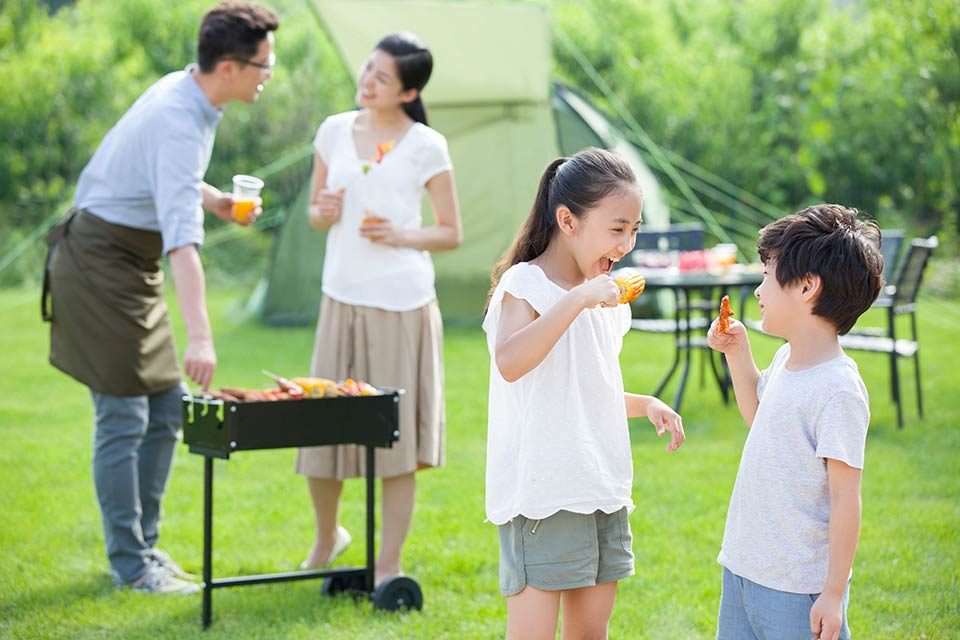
x,y
318,387
631,286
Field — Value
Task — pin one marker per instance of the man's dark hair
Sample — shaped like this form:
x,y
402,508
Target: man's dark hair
x,y
828,241
233,30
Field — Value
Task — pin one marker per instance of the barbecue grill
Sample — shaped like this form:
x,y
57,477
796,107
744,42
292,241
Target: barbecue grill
x,y
215,428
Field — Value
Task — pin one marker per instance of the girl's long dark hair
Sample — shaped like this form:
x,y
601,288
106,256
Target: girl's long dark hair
x,y
579,182
414,66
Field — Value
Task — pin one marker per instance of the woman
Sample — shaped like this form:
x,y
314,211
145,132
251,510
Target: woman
x,y
379,319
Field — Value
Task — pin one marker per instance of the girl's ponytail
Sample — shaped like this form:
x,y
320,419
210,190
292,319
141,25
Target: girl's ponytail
x,y
536,231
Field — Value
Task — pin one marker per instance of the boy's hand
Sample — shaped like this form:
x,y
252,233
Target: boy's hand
x,y
729,341
600,291
666,419
826,616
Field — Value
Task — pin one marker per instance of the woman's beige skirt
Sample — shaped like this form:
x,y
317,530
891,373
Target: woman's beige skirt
x,y
390,349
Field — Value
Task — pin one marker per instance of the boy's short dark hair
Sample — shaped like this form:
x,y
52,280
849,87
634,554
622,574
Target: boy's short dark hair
x,y
829,241
233,30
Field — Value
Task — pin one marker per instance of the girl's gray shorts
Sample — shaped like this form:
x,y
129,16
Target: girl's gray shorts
x,y
565,551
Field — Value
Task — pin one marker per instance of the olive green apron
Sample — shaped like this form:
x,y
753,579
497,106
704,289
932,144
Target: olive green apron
x,y
109,324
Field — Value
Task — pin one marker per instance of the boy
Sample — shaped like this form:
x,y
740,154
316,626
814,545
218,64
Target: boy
x,y
794,516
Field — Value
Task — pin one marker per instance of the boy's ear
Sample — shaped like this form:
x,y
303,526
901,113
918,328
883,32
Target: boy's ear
x,y
566,220
810,287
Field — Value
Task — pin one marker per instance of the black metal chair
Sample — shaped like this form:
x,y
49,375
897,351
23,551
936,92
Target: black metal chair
x,y
693,311
898,299
675,238
890,249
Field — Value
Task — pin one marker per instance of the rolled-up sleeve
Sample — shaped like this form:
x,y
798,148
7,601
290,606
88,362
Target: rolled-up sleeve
x,y
181,161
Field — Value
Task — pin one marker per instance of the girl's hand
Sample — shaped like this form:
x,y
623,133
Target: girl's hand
x,y
600,291
729,342
666,419
326,208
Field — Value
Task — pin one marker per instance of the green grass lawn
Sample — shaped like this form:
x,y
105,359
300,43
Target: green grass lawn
x,y
54,581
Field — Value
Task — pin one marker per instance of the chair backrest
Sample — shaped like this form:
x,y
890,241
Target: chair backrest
x,y
677,237
890,250
911,274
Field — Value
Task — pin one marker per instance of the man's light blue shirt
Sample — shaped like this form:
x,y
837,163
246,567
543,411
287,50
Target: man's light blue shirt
x,y
148,171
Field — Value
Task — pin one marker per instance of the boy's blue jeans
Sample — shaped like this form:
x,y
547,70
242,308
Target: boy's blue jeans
x,y
133,449
749,611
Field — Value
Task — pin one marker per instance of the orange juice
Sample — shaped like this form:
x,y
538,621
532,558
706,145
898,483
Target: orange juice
x,y
371,220
243,208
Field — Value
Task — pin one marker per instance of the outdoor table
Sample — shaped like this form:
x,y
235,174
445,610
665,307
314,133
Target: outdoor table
x,y
216,428
710,287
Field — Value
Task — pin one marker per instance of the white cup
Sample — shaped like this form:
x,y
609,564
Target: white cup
x,y
246,191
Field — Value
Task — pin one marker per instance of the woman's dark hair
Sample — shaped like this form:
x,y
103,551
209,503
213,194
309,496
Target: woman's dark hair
x,y
579,182
829,241
233,30
414,66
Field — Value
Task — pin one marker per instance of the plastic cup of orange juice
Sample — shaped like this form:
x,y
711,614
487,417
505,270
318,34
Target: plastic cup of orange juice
x,y
246,191
369,218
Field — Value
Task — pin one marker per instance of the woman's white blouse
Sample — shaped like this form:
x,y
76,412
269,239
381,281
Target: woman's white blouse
x,y
355,270
557,438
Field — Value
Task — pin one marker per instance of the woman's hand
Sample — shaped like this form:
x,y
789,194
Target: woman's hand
x,y
326,208
379,230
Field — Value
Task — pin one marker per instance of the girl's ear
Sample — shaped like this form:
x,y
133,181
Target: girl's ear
x,y
566,221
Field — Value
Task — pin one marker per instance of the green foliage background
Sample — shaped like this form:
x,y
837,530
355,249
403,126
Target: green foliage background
x,y
795,101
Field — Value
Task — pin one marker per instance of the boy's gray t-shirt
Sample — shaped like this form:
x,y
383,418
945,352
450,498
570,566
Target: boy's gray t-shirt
x,y
777,531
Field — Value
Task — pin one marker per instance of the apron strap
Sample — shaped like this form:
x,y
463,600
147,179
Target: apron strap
x,y
54,236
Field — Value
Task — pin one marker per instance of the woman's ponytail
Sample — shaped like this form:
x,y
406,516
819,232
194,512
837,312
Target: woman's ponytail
x,y
414,66
416,110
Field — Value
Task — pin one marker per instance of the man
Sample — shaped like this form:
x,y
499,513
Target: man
x,y
141,197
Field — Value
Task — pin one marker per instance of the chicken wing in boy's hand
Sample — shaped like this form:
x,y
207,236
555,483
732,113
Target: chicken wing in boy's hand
x,y
723,323
728,341
666,419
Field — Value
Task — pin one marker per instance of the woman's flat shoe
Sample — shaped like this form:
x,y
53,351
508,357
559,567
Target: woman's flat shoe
x,y
339,546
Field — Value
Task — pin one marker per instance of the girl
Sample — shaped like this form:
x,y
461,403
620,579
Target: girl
x,y
379,319
559,469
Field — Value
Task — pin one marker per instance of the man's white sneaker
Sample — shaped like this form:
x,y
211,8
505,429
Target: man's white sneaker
x,y
164,562
156,580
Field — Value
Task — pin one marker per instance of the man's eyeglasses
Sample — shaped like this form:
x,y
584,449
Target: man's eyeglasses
x,y
265,66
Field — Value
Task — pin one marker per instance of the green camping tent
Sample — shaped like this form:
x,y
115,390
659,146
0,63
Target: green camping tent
x,y
492,98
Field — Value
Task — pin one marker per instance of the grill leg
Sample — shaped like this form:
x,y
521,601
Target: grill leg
x,y
371,507
207,540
